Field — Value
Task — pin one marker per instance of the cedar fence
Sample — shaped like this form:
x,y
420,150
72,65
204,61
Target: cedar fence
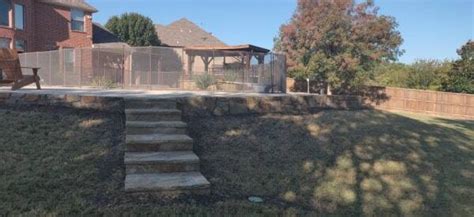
x,y
437,103
430,102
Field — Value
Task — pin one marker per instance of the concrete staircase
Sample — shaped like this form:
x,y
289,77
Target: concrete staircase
x,y
159,156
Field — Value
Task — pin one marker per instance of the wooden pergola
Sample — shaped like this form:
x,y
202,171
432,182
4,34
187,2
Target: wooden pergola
x,y
244,53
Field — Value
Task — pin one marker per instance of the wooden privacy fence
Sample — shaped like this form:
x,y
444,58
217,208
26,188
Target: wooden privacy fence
x,y
425,101
455,105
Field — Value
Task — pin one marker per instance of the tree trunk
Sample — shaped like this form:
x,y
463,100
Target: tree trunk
x,y
307,82
329,91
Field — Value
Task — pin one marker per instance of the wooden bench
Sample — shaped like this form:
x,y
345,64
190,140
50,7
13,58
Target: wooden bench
x,y
11,68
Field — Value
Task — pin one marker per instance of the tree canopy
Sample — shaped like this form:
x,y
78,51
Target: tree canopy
x,y
426,74
461,78
338,42
134,29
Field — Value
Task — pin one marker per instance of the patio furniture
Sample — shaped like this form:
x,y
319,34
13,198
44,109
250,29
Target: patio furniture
x,y
12,71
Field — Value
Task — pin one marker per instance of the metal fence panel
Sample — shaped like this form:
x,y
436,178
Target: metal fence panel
x,y
158,68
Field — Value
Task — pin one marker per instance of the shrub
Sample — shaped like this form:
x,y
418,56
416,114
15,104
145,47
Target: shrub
x,y
422,74
230,75
103,82
204,81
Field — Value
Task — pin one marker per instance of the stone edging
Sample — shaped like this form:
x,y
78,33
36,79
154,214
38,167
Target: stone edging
x,y
73,101
199,105
290,104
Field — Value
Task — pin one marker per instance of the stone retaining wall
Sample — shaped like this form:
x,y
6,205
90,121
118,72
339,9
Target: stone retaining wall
x,y
75,101
199,105
289,104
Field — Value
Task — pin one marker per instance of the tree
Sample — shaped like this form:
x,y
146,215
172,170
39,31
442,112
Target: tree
x,y
134,29
422,74
461,78
338,41
391,74
427,74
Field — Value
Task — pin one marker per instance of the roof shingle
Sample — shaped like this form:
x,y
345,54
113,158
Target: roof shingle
x,y
184,33
80,4
102,35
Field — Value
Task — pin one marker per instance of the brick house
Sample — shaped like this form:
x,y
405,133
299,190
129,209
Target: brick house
x,y
42,25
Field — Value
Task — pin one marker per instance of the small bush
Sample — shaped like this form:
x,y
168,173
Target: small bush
x,y
103,82
231,75
204,81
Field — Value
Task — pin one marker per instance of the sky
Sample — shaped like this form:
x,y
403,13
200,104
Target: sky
x,y
431,29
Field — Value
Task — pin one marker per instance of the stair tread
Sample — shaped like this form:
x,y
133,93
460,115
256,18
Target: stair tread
x,y
157,138
160,157
148,100
165,181
152,110
148,124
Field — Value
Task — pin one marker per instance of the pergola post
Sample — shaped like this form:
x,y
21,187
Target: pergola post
x,y
242,54
206,60
248,58
191,59
261,69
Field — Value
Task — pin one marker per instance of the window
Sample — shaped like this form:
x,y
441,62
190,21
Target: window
x,y
5,42
20,45
5,7
19,16
77,20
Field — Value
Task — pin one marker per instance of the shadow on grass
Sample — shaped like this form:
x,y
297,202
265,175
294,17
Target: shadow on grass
x,y
65,162
58,161
342,163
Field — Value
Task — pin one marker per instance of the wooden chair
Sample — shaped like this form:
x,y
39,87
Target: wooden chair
x,y
11,69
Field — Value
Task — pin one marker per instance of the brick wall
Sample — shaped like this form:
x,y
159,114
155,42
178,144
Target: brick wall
x,y
27,32
54,30
47,27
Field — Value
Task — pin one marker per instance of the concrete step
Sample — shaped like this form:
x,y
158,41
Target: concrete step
x,y
153,114
174,183
160,127
164,162
150,103
158,142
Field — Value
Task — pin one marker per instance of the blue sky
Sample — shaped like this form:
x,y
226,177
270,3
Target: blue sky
x,y
431,28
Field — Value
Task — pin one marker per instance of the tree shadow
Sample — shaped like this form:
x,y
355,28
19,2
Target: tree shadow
x,y
64,161
342,163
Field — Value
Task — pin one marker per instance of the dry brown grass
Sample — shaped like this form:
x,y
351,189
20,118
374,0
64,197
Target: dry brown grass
x,y
343,163
65,162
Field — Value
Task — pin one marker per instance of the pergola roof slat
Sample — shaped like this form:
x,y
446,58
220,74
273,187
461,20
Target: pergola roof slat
x,y
226,49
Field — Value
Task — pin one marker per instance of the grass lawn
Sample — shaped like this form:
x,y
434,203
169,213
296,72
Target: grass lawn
x,y
63,162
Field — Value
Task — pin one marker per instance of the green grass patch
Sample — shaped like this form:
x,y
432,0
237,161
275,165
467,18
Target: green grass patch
x,y
65,162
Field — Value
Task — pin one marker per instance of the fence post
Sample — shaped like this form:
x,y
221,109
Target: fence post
x,y
131,68
80,67
37,59
123,67
283,74
272,68
149,72
50,69
465,105
63,66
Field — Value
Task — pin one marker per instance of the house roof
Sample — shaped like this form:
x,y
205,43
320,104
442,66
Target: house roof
x,y
245,47
102,35
184,33
80,4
